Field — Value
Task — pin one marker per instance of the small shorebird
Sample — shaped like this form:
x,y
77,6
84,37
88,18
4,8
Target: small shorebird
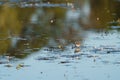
x,y
77,44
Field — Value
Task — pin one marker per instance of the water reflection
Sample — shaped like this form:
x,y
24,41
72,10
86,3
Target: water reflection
x,y
9,25
103,13
27,26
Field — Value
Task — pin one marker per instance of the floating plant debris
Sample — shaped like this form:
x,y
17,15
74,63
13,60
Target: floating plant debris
x,y
64,62
47,58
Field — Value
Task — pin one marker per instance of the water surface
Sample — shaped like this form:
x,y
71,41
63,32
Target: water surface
x,y
38,40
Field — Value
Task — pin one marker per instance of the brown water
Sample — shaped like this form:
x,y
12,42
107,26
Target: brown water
x,y
26,27
41,38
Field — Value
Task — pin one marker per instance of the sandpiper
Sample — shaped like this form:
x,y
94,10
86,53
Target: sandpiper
x,y
77,44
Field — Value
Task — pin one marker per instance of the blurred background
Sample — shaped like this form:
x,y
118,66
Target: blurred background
x,y
28,25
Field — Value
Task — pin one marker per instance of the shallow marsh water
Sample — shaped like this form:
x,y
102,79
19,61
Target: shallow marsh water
x,y
67,65
38,40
